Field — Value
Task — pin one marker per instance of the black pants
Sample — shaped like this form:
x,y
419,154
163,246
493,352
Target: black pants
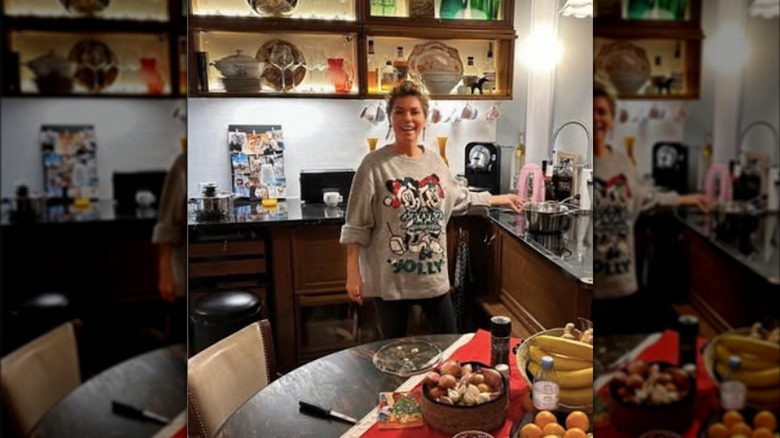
x,y
394,315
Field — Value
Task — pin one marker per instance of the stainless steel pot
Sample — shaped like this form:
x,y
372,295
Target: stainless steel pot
x,y
214,208
547,217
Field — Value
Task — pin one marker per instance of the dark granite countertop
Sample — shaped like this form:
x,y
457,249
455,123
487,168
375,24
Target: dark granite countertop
x,y
752,241
101,211
290,211
572,250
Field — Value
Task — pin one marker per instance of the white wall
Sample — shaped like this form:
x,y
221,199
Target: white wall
x,y
318,133
132,134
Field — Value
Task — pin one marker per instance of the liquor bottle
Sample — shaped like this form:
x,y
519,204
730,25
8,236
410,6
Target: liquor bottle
x,y
547,172
564,181
732,391
389,76
470,76
373,69
676,75
545,387
401,65
451,9
489,72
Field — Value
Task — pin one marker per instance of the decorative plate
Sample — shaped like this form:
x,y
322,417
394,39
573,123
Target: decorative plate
x,y
434,57
407,357
272,75
622,56
97,66
273,7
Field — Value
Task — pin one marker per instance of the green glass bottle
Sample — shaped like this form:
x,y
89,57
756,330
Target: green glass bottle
x,y
451,9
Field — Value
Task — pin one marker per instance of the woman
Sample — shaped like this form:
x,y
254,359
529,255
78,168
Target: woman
x,y
401,199
619,197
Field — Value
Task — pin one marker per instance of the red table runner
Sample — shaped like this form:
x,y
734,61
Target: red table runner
x,y
477,349
667,349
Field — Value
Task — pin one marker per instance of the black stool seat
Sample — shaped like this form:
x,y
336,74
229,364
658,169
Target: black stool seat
x,y
46,300
220,314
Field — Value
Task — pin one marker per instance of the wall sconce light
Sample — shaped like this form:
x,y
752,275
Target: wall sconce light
x,y
541,50
578,8
764,8
730,39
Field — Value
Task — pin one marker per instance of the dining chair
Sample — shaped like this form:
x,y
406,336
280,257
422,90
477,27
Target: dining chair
x,y
38,374
226,374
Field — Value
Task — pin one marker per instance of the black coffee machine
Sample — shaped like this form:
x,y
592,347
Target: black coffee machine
x,y
670,166
483,167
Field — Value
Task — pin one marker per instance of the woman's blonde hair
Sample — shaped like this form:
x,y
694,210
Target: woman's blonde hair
x,y
404,89
607,91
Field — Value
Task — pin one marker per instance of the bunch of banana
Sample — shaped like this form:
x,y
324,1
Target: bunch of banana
x,y
760,370
573,364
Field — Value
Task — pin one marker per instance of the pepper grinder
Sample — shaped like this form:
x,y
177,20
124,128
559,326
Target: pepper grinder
x,y
500,328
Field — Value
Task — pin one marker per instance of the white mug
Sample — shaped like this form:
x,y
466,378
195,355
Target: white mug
x,y
332,199
144,198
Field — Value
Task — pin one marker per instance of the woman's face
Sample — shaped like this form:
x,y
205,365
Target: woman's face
x,y
602,119
408,118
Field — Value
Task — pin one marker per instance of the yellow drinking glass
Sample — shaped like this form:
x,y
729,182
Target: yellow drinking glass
x,y
372,143
630,148
443,148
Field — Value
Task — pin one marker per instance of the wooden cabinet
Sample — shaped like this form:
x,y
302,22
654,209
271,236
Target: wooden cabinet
x,y
333,39
646,56
129,49
229,261
535,292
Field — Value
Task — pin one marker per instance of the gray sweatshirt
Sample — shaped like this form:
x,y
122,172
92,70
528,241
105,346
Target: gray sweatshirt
x,y
619,197
397,213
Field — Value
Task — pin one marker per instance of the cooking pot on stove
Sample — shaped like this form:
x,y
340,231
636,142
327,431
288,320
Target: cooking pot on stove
x,y
547,217
212,204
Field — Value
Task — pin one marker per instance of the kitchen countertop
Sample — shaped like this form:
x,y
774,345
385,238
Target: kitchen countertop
x,y
101,211
572,250
756,245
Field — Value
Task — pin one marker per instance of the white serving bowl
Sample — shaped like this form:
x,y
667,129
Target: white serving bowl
x,y
440,82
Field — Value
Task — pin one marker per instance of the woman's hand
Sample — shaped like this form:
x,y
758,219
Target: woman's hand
x,y
355,287
696,200
166,284
510,200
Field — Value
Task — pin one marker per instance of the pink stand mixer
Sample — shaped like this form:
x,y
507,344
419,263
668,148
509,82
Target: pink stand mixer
x,y
719,173
534,187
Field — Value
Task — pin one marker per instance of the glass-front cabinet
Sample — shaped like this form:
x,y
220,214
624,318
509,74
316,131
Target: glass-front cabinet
x,y
649,49
351,48
94,48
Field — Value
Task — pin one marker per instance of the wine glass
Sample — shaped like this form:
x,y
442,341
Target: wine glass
x,y
282,58
318,61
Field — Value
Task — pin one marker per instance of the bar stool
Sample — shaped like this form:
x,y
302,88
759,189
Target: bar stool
x,y
220,314
39,314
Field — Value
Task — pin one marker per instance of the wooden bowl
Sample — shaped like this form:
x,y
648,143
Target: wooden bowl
x,y
451,419
638,419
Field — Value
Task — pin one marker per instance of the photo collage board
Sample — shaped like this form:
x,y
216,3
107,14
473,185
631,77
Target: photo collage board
x,y
257,161
69,161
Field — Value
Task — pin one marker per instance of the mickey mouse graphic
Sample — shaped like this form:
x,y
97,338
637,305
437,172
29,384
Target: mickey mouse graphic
x,y
421,219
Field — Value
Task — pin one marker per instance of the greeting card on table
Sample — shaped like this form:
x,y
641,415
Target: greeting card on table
x,y
400,410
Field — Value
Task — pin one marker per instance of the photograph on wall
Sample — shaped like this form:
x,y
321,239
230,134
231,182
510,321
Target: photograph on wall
x,y
69,161
257,161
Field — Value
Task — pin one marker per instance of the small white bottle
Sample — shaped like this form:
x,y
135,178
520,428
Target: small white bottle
x,y
732,391
545,388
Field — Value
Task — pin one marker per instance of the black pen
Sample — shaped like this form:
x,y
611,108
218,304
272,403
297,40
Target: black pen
x,y
308,408
126,410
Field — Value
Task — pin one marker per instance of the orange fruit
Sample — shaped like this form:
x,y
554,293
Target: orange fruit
x,y
731,418
531,430
765,419
717,430
576,432
741,428
761,432
553,429
578,419
526,402
543,418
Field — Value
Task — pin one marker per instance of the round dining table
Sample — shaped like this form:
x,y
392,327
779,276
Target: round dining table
x,y
346,381
155,381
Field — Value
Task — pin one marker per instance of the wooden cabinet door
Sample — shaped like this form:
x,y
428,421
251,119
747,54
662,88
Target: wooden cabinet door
x,y
319,260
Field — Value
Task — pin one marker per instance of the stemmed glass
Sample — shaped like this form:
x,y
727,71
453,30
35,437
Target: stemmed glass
x,y
318,61
282,58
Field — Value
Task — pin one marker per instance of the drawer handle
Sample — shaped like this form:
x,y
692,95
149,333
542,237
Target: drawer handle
x,y
489,240
224,246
